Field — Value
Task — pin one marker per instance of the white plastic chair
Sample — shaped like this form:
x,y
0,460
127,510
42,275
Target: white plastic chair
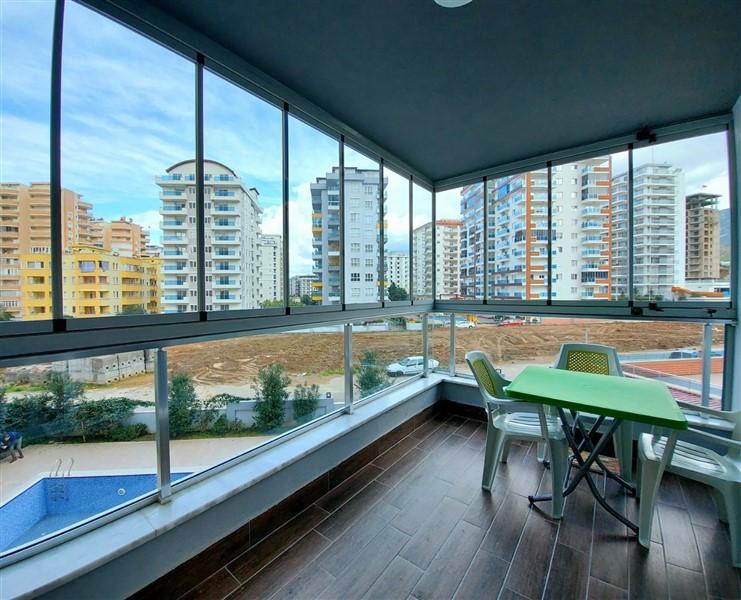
x,y
692,460
508,420
601,360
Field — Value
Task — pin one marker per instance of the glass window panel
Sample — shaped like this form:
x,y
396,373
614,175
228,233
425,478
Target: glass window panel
x,y
362,227
386,352
422,242
681,219
127,146
439,339
229,396
589,259
244,199
25,84
85,430
314,209
449,242
396,226
668,352
127,165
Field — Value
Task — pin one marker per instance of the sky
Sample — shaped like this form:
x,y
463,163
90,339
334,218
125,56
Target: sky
x,y
703,160
128,114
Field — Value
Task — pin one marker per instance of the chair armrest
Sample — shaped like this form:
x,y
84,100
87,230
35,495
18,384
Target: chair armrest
x,y
509,406
716,439
688,407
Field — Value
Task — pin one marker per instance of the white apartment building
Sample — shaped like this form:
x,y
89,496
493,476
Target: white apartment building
x,y
658,231
232,220
361,252
300,286
448,241
397,269
269,268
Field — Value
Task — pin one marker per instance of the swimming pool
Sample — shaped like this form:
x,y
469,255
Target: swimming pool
x,y
53,503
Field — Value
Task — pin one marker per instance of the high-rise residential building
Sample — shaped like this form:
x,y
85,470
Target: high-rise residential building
x,y
25,258
448,275
517,244
300,286
232,225
397,269
361,231
472,241
658,231
703,236
269,268
125,237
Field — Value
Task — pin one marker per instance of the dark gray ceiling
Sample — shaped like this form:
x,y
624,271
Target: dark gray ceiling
x,y
455,90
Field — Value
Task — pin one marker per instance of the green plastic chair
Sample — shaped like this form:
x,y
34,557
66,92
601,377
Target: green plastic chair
x,y
508,419
601,360
693,460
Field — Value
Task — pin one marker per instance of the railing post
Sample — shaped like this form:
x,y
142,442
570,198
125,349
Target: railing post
x,y
707,362
452,345
425,347
347,334
162,426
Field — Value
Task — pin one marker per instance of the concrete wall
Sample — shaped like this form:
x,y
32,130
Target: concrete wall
x,y
107,369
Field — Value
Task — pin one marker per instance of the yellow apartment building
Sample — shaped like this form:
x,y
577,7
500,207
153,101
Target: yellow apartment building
x,y
107,269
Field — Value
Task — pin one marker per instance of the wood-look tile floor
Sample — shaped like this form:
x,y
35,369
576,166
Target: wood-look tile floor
x,y
416,524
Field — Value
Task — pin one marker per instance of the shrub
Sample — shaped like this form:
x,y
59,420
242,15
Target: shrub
x,y
223,426
126,433
29,415
305,401
62,392
182,403
371,376
98,418
271,395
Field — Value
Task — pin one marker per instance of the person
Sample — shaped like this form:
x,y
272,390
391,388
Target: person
x,y
12,441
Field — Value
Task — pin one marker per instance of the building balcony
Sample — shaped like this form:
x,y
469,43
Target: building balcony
x,y
221,239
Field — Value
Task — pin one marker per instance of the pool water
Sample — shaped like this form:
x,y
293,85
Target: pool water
x,y
53,503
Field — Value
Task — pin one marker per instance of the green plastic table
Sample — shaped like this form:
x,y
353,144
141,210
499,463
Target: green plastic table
x,y
622,398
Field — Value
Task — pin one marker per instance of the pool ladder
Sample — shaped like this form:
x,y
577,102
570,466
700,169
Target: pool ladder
x,y
58,487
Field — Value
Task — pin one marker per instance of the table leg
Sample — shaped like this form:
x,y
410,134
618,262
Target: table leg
x,y
583,472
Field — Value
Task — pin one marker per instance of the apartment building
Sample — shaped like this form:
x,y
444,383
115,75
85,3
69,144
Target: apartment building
x,y
472,242
702,259
300,286
25,263
362,227
517,209
269,269
232,229
447,240
97,282
659,232
124,237
397,269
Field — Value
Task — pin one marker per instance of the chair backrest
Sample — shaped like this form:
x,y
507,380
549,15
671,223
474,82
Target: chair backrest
x,y
491,383
589,358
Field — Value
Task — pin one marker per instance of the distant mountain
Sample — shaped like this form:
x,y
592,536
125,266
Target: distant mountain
x,y
725,234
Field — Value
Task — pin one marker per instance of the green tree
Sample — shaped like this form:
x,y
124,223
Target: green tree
x,y
371,375
394,292
306,300
5,315
271,304
305,401
182,402
271,395
62,392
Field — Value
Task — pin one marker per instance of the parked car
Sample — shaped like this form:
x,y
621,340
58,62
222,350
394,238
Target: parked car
x,y
684,353
411,365
462,323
